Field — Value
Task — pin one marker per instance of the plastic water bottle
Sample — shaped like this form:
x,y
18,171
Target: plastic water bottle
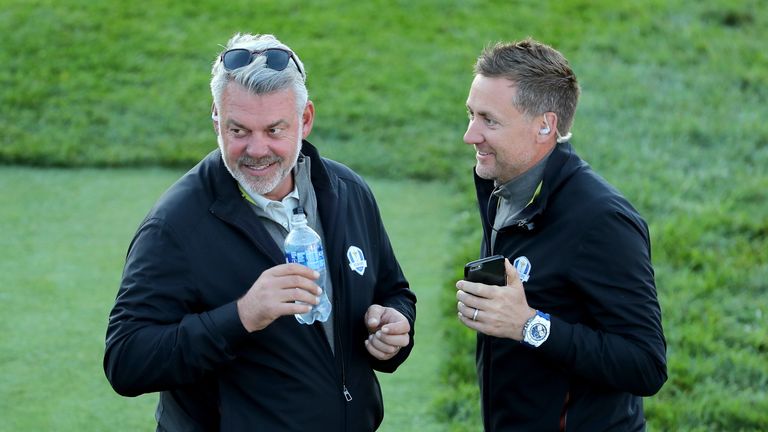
x,y
303,246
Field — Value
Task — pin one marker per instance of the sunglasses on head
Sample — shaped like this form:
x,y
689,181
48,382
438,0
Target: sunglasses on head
x,y
277,58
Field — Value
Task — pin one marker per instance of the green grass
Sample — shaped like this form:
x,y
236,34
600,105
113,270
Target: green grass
x,y
409,211
65,233
673,113
109,83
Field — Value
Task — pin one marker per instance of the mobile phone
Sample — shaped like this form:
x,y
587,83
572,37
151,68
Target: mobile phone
x,y
489,270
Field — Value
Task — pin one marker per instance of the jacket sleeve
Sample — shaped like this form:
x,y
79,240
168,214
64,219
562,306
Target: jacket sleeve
x,y
156,339
622,346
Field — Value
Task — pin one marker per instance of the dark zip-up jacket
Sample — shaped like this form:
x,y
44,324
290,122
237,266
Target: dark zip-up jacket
x,y
175,329
590,269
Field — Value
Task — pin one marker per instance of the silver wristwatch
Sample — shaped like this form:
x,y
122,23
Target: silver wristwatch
x,y
536,329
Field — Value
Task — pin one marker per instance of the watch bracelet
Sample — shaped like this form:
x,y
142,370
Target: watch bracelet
x,y
528,324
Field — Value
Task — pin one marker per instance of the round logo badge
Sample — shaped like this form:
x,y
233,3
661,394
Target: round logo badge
x,y
523,267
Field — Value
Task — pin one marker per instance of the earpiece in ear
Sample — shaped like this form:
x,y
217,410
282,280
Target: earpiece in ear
x,y
545,130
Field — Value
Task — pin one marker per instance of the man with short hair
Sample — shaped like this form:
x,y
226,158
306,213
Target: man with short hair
x,y
205,310
574,339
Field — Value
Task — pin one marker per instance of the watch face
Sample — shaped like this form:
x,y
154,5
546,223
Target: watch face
x,y
538,332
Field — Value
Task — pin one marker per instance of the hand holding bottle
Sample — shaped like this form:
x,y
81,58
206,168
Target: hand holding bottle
x,y
275,293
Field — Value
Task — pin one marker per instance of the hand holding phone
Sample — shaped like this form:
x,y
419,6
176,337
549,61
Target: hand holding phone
x,y
489,271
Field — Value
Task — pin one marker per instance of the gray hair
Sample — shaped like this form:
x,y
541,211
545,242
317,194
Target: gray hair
x,y
256,77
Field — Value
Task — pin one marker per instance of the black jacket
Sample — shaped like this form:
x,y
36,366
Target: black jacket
x,y
590,259
175,328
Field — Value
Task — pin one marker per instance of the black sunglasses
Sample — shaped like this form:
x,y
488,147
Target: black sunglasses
x,y
277,58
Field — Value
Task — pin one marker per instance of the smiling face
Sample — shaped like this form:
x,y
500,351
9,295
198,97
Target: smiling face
x,y
507,142
260,138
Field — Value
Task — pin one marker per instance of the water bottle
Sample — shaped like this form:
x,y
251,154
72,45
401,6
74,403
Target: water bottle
x,y
303,246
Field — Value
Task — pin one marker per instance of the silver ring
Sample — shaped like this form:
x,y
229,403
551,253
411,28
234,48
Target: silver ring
x,y
474,315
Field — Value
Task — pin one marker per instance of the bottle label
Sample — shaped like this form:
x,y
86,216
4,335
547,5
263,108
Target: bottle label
x,y
312,256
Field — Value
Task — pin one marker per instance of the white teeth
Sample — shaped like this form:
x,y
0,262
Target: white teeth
x,y
258,167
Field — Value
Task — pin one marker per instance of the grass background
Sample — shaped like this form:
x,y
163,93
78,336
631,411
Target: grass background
x,y
672,113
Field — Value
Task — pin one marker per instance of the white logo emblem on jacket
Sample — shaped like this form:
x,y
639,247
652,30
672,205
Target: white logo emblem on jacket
x,y
356,260
523,267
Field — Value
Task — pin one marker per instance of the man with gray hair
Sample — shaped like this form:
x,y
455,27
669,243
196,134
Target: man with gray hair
x,y
205,311
573,339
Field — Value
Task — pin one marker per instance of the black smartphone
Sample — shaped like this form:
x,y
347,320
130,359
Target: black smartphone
x,y
489,270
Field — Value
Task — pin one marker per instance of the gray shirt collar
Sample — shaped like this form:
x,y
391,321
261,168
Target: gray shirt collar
x,y
516,194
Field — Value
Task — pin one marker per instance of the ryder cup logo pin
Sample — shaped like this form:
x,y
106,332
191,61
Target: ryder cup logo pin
x,y
356,260
523,267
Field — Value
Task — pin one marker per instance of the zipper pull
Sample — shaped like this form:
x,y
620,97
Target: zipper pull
x,y
347,396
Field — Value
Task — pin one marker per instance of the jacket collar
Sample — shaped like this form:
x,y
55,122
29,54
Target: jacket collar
x,y
331,206
230,206
329,199
559,167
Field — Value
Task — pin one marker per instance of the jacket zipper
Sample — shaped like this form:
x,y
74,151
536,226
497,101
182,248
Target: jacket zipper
x,y
487,220
347,395
340,350
564,413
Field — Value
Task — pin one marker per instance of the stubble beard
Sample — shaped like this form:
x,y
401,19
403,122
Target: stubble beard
x,y
501,173
488,172
259,185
